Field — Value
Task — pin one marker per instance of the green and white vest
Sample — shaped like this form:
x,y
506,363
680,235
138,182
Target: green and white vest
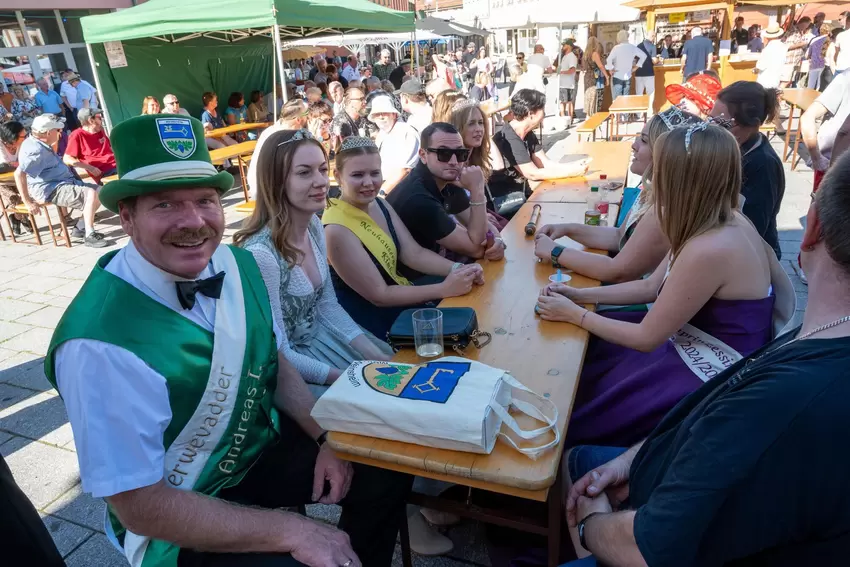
x,y
220,385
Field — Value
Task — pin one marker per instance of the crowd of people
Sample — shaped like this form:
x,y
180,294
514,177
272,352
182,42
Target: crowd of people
x,y
692,362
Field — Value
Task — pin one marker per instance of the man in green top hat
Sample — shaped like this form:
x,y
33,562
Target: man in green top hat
x,y
186,418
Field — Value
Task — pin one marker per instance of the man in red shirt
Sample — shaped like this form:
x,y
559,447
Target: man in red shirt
x,y
89,148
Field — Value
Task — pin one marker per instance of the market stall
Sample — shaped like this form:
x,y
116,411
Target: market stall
x,y
677,17
183,47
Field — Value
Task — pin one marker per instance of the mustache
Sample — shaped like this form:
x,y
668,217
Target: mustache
x,y
185,235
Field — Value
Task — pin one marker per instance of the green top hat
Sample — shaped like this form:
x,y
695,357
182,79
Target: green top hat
x,y
160,152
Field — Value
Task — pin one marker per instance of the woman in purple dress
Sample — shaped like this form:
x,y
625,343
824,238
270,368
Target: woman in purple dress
x,y
714,297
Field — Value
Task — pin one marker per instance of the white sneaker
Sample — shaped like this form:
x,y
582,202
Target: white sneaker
x,y
425,539
437,518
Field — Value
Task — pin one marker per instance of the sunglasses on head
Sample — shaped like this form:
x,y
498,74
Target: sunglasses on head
x,y
444,155
173,102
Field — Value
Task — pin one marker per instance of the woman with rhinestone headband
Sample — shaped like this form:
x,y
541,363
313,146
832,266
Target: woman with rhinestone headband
x,y
720,294
287,241
638,244
371,251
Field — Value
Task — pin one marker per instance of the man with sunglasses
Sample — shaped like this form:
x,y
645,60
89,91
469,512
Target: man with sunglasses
x,y
349,122
434,205
172,105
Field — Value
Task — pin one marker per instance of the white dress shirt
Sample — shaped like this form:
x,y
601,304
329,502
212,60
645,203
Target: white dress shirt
x,y
621,60
118,405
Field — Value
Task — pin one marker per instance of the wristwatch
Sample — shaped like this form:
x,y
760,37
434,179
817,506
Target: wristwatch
x,y
321,439
501,241
580,529
556,252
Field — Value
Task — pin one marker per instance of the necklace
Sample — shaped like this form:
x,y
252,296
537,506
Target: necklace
x,y
819,329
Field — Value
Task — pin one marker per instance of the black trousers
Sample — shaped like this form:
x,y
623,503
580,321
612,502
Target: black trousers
x,y
23,538
372,511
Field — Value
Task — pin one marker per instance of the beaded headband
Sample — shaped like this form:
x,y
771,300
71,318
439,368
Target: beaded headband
x,y
698,127
298,136
354,142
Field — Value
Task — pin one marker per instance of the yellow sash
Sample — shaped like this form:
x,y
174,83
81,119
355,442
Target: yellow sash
x,y
376,241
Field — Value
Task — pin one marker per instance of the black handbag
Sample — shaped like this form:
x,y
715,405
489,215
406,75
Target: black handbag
x,y
460,327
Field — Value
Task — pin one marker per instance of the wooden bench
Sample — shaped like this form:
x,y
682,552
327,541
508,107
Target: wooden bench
x,y
590,125
768,129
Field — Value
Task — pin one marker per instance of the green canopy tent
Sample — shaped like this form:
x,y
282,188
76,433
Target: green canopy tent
x,y
186,47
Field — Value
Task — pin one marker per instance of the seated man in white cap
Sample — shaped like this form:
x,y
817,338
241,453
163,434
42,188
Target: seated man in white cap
x,y
42,177
187,418
397,141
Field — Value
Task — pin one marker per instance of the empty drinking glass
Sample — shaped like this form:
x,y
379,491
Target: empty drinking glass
x,y
428,332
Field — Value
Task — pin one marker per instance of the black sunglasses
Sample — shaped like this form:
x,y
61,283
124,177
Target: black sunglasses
x,y
445,154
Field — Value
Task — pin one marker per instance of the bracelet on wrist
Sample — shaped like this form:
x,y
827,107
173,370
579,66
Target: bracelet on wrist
x,y
581,528
581,321
455,266
478,203
322,439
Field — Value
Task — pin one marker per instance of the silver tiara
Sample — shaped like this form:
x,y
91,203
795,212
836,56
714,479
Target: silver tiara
x,y
298,136
673,117
698,127
463,103
354,142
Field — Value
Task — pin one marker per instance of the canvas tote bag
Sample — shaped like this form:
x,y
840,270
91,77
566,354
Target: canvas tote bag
x,y
448,403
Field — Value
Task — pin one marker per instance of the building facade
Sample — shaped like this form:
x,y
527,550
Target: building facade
x,y
45,41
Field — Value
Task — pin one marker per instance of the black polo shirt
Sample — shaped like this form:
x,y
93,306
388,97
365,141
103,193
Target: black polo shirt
x,y
763,186
424,209
751,469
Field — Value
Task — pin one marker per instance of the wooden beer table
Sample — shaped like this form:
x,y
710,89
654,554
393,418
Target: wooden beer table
x,y
219,132
609,158
802,99
628,104
238,151
545,356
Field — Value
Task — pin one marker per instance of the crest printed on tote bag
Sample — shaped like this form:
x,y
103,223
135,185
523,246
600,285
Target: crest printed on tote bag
x,y
177,136
430,382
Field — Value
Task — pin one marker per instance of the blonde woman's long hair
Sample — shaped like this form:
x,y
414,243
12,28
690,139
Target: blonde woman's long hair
x,y
273,209
480,156
443,104
593,46
695,189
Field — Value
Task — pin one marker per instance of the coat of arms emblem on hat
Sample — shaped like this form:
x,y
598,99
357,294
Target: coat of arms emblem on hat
x,y
176,136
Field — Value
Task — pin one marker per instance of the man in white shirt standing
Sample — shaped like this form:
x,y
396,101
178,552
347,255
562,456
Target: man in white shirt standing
x,y
538,64
842,47
771,63
567,82
621,61
198,438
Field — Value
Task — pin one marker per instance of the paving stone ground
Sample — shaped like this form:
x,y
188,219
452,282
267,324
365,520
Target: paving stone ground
x,y
37,284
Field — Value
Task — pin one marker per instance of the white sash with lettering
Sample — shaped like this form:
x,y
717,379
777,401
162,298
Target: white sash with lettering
x,y
707,356
227,358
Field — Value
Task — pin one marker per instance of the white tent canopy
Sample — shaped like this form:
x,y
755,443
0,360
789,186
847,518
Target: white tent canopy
x,y
356,42
596,12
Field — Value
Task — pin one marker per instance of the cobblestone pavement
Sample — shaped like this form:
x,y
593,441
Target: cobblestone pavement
x,y
36,285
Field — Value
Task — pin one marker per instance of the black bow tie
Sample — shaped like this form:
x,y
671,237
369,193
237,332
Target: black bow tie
x,y
211,287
